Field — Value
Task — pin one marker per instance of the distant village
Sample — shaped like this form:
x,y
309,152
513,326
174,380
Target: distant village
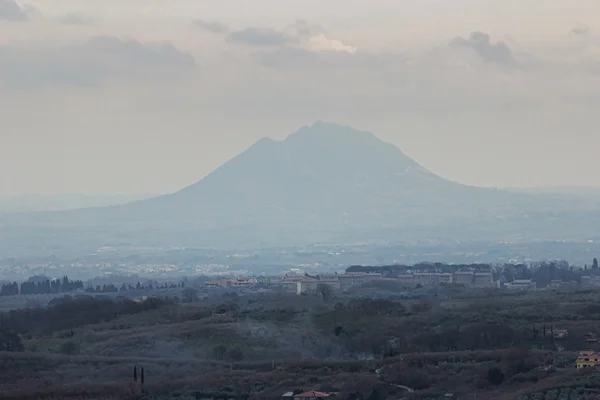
x,y
295,281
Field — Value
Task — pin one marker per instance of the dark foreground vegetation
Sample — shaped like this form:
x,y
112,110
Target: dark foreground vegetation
x,y
376,342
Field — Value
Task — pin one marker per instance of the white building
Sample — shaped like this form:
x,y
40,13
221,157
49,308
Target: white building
x,y
521,284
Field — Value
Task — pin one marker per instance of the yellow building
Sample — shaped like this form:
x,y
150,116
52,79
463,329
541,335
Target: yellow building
x,y
587,359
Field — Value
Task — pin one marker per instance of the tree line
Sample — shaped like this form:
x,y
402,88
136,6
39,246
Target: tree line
x,y
111,288
69,313
63,285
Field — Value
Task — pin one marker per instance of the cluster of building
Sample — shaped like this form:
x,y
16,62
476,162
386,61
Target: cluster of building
x,y
229,283
337,282
296,282
590,280
528,284
467,278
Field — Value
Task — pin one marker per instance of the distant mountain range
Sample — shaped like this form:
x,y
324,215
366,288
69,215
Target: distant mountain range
x,y
324,183
573,191
29,203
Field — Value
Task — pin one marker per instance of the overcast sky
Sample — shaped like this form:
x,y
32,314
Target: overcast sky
x,y
143,96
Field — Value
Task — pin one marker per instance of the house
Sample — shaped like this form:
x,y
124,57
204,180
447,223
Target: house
x,y
231,283
561,333
406,279
425,278
350,279
484,280
244,282
464,277
521,284
431,278
312,395
332,281
587,359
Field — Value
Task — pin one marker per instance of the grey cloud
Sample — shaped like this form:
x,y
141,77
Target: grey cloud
x,y
91,63
291,57
74,19
291,47
303,29
268,37
11,11
580,31
260,37
479,42
137,53
211,26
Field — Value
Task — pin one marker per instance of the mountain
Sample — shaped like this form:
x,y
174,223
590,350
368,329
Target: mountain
x,y
325,182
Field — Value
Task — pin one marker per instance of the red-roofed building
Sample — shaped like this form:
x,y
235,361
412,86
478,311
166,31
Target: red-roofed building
x,y
312,395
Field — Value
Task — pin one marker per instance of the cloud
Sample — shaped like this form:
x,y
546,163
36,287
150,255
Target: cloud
x,y
299,44
300,35
211,26
580,30
302,29
479,42
74,19
11,11
302,58
260,37
90,63
139,54
323,43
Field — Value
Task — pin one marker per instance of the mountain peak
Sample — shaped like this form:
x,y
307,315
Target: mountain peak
x,y
332,133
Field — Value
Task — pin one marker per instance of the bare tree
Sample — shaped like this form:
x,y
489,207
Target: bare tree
x,y
189,295
325,291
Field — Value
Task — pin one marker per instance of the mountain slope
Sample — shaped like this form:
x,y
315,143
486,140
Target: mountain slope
x,y
325,181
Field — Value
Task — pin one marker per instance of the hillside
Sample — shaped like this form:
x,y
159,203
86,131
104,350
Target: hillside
x,y
261,345
325,182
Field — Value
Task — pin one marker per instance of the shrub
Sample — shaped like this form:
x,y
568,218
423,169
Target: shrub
x,y
189,295
236,354
495,376
219,351
69,348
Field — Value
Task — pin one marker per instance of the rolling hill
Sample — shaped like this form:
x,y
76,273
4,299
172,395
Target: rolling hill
x,y
325,182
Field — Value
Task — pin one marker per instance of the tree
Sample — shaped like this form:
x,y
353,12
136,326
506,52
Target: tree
x,y
375,395
189,295
69,348
236,354
495,376
219,351
325,291
10,341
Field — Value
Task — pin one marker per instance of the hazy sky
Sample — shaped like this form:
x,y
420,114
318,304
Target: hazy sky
x,y
142,96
